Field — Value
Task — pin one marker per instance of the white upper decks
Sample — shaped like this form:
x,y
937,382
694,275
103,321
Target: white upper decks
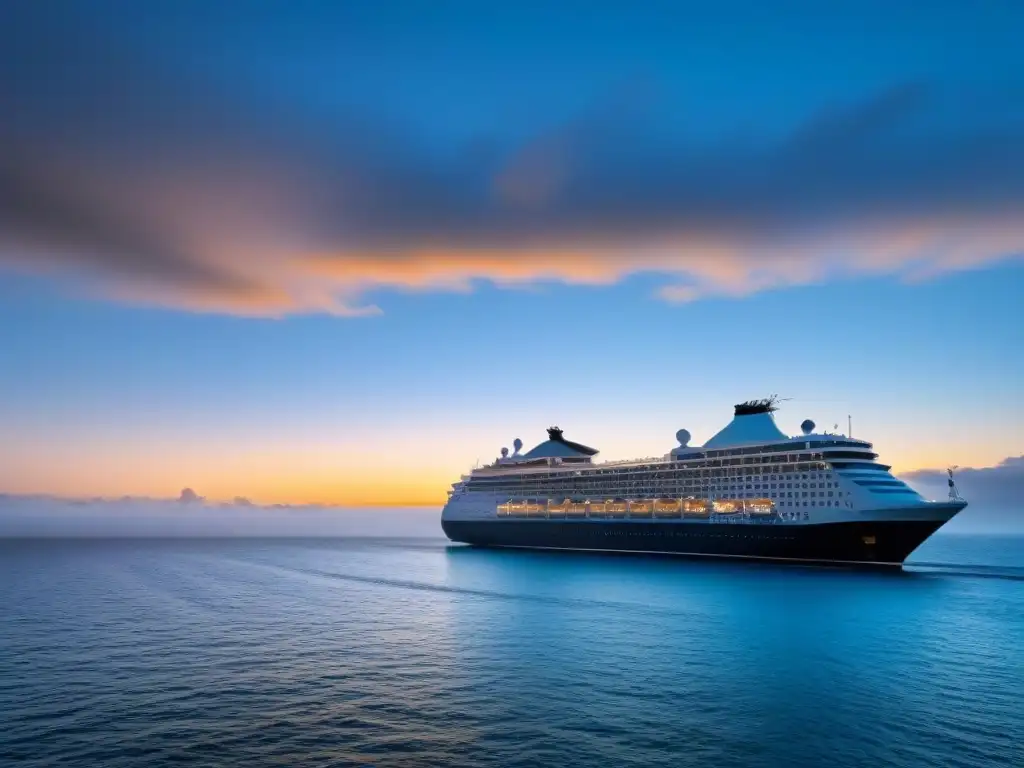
x,y
752,424
557,447
752,429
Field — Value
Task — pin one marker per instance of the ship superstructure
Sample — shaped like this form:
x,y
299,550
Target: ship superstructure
x,y
749,491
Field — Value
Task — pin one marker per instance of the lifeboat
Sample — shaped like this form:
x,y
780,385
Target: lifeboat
x,y
596,508
535,508
760,507
728,507
504,510
558,508
640,508
577,509
696,508
667,507
617,507
517,507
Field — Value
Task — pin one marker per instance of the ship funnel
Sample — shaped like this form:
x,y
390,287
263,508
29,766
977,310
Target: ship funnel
x,y
752,423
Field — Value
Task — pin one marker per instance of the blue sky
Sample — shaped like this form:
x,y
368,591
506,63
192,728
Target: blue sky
x,y
338,252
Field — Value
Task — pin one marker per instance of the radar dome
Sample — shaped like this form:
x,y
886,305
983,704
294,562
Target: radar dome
x,y
504,453
683,436
807,426
517,444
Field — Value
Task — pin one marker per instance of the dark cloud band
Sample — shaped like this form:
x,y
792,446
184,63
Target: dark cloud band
x,y
120,165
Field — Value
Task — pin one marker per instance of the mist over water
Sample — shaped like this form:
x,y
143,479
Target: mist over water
x,y
31,517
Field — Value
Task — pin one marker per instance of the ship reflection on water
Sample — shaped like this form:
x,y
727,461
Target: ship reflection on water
x,y
725,661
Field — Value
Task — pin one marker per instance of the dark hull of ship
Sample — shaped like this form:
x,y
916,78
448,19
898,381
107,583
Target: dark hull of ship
x,y
876,543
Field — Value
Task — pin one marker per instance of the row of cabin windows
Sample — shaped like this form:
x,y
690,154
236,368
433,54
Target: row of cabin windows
x,y
782,469
572,480
772,466
790,485
540,487
792,458
734,491
802,461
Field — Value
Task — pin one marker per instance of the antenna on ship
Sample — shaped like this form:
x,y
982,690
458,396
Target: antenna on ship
x,y
849,426
954,494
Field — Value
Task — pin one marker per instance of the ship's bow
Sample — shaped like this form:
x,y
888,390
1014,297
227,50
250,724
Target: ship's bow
x,y
893,539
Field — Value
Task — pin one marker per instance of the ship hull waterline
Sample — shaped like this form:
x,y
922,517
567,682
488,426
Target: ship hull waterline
x,y
879,543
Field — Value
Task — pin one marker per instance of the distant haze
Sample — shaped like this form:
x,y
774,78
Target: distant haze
x,y
43,517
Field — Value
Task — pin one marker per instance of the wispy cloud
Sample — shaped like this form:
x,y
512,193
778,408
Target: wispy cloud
x,y
125,177
993,494
1001,485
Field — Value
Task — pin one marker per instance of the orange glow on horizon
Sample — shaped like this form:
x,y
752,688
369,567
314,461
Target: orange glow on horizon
x,y
376,466
378,489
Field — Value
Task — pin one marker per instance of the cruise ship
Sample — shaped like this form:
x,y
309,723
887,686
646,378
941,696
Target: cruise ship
x,y
751,491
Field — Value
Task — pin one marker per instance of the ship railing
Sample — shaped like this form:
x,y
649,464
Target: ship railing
x,y
620,462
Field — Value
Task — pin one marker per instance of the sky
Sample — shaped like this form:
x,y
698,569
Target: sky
x,y
321,252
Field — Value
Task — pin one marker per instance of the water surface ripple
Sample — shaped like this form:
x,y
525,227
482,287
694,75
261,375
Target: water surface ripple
x,y
392,652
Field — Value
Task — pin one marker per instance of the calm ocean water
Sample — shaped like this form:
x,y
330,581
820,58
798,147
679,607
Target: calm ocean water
x,y
407,652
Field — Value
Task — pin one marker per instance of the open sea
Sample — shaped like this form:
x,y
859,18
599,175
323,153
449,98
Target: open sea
x,y
411,652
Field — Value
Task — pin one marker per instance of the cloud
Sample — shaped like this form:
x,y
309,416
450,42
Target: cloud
x,y
125,175
188,496
993,494
1001,485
